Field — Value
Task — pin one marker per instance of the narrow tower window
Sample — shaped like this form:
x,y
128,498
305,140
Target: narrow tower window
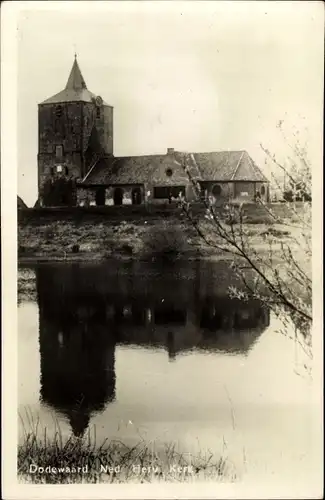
x,y
59,151
98,112
58,111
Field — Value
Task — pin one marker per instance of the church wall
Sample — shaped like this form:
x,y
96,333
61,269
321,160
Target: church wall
x,y
104,125
104,132
86,196
90,146
60,125
127,193
226,191
60,130
47,164
263,189
231,190
245,189
168,174
88,110
252,188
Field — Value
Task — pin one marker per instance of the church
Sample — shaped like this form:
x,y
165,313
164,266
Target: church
x,y
77,165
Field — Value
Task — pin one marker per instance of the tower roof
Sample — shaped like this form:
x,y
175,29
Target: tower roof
x,y
76,80
75,89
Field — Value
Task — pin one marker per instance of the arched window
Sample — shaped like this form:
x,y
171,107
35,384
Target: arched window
x,y
136,196
100,196
216,190
66,170
98,112
118,196
263,190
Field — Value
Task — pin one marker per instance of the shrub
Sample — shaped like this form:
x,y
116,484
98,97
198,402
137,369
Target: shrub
x,y
164,242
125,249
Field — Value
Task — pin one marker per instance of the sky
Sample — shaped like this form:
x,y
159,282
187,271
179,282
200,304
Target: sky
x,y
195,76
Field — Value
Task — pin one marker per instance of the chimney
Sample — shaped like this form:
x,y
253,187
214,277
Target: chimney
x,y
170,151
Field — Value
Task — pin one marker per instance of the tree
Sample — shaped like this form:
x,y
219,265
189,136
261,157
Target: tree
x,y
282,268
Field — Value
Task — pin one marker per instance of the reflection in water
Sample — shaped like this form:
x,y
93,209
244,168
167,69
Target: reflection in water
x,y
171,346
77,352
84,312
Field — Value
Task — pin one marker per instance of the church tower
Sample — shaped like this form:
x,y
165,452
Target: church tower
x,y
75,129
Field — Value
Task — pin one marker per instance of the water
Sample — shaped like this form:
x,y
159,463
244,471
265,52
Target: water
x,y
136,351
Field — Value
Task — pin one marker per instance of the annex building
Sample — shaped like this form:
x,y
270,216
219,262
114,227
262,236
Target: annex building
x,y
77,166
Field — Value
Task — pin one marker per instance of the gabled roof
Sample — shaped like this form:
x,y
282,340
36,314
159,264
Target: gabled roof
x,y
216,166
133,168
188,161
75,89
227,166
125,170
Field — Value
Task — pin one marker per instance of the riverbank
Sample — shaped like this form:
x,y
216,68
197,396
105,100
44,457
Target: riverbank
x,y
170,238
72,241
79,460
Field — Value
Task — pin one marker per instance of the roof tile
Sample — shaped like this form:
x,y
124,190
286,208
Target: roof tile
x,y
215,166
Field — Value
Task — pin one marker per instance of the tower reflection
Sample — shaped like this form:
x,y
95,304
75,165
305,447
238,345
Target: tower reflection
x,y
77,349
86,312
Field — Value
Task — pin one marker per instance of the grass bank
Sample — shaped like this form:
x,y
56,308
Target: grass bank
x,y
73,241
80,460
171,238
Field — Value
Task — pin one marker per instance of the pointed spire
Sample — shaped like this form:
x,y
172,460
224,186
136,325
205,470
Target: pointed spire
x,y
75,80
75,89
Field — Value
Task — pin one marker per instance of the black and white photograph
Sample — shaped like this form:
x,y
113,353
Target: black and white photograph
x,y
167,187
